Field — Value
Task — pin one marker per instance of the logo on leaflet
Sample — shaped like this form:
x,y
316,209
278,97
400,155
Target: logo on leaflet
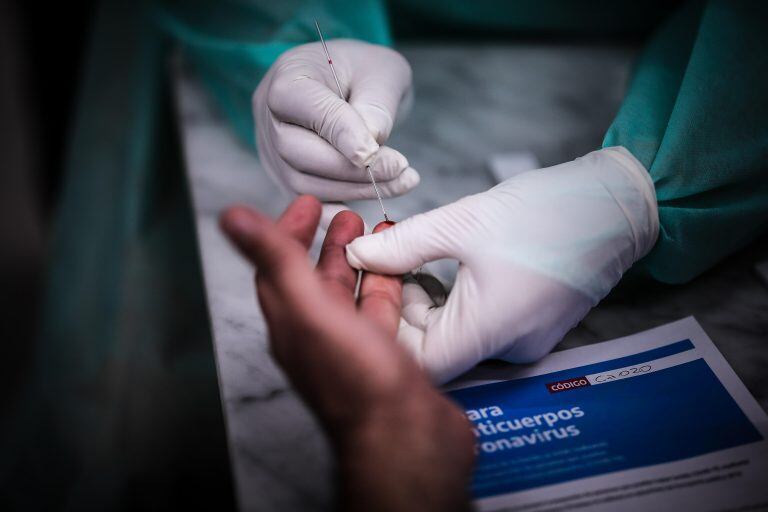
x,y
567,384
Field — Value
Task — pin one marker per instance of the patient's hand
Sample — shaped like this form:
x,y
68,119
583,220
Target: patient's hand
x,y
400,444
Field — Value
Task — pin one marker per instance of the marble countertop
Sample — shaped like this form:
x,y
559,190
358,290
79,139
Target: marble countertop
x,y
472,101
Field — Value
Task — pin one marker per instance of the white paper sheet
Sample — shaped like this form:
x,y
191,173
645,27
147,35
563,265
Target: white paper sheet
x,y
653,421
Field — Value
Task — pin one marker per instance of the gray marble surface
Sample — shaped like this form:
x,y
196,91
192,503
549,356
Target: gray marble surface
x,y
471,102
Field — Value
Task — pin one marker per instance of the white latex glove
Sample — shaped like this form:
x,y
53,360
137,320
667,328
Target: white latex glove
x,y
536,252
311,141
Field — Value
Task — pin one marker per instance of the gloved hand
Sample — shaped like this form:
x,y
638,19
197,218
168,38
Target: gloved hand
x,y
536,253
311,141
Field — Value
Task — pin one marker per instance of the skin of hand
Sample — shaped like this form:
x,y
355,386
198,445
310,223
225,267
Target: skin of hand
x,y
399,443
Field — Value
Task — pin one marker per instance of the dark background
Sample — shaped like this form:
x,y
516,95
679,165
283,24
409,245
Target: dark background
x,y
41,48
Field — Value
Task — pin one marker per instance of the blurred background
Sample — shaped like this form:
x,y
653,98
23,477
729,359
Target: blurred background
x,y
38,85
82,427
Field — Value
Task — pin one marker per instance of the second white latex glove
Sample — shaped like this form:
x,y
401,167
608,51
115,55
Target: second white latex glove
x,y
536,253
311,141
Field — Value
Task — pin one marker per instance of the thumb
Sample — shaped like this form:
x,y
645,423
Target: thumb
x,y
377,97
381,79
406,245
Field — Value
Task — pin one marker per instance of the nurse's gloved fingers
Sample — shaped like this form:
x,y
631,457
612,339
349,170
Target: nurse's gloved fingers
x,y
381,296
338,278
417,305
336,190
455,337
388,164
299,99
443,340
377,93
308,153
425,331
411,338
278,256
437,359
300,219
408,245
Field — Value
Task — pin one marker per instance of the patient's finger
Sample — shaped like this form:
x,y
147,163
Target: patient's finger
x,y
300,219
275,253
381,296
286,283
332,267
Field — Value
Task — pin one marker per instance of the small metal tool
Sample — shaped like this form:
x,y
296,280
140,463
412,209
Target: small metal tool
x,y
341,95
431,285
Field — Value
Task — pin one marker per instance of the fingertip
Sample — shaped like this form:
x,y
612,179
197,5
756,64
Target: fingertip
x,y
230,217
411,177
398,248
353,140
305,206
388,164
248,230
344,227
408,180
301,218
308,201
381,226
239,220
367,253
348,219
377,119
365,245
363,153
352,257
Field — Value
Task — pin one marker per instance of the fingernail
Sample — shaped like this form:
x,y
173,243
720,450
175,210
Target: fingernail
x,y
381,226
389,164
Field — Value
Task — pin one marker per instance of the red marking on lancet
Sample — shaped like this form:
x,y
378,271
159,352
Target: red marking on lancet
x,y
341,95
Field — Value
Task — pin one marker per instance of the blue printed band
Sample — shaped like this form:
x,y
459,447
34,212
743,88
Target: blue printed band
x,y
529,435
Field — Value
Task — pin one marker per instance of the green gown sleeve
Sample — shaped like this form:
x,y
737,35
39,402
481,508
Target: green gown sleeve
x,y
696,115
232,45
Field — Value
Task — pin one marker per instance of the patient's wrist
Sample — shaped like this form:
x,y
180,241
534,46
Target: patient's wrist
x,y
413,454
